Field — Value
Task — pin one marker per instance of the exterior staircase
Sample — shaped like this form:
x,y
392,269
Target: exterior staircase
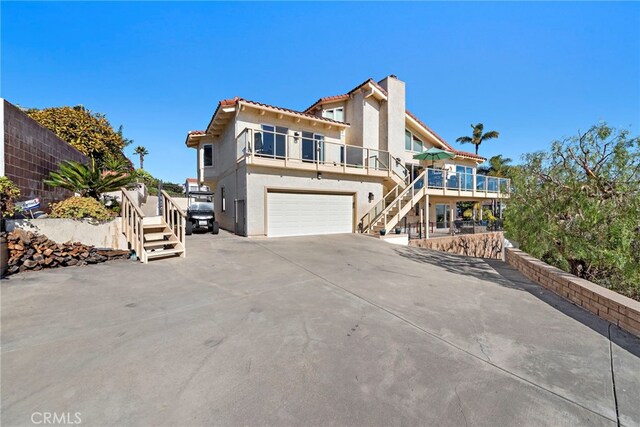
x,y
153,237
394,206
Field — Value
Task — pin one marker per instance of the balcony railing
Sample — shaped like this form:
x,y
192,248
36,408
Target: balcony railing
x,y
439,178
314,152
297,151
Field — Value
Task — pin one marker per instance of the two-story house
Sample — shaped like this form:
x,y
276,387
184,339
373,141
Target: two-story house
x,y
345,164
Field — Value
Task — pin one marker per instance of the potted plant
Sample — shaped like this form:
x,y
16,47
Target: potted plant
x,y
383,232
398,230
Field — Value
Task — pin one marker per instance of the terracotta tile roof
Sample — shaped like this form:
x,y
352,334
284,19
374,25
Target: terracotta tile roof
x,y
469,154
192,180
439,138
344,96
288,110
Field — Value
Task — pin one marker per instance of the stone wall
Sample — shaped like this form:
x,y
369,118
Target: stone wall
x,y
484,245
30,152
611,306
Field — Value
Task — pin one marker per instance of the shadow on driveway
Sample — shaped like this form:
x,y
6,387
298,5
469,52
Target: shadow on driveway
x,y
486,269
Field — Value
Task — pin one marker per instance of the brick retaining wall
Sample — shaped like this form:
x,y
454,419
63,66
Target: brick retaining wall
x,y
483,245
31,151
611,306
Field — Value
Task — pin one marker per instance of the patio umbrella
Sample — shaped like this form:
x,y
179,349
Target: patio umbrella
x,y
434,154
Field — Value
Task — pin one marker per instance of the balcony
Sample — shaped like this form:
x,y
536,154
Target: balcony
x,y
311,152
307,151
444,182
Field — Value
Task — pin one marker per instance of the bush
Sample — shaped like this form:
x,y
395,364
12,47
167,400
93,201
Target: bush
x,y
488,215
79,208
576,207
467,214
9,192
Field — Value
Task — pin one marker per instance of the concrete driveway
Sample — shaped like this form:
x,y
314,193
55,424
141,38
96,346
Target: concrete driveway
x,y
333,330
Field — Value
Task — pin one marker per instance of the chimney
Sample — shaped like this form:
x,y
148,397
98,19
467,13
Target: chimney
x,y
392,116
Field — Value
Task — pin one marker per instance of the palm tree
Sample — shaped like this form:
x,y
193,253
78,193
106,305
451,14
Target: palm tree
x,y
478,137
497,166
88,181
141,151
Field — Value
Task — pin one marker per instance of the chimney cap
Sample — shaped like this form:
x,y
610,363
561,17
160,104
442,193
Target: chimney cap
x,y
393,75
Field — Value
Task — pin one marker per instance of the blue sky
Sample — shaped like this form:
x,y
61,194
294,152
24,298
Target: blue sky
x,y
533,71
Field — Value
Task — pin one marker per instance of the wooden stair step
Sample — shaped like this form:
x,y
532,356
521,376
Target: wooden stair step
x,y
153,226
159,243
164,253
157,236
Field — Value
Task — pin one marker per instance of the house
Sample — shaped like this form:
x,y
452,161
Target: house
x,y
29,152
343,165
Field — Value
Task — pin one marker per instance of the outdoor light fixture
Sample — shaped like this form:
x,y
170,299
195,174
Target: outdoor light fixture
x,y
319,175
370,197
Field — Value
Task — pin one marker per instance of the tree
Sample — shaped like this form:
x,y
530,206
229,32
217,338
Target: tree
x,y
497,166
576,207
88,181
89,132
477,136
141,151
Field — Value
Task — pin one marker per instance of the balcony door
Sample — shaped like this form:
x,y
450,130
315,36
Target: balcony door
x,y
271,141
312,147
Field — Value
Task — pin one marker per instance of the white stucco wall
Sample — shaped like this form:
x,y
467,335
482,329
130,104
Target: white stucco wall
x,y
103,235
260,179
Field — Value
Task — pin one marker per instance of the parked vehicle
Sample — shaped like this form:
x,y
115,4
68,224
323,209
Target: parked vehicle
x,y
200,212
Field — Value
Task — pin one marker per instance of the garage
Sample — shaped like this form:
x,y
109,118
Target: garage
x,y
300,214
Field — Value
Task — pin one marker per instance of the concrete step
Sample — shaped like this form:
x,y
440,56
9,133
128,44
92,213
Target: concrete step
x,y
164,253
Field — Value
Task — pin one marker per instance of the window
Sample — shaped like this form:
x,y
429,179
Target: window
x,y
334,114
223,201
271,141
207,155
412,142
312,147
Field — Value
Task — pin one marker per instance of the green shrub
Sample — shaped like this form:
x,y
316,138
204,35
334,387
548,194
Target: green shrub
x,y
79,208
488,215
9,192
467,214
576,206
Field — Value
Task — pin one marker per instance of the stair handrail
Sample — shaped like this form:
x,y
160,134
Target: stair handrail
x,y
132,224
366,219
175,218
405,178
410,187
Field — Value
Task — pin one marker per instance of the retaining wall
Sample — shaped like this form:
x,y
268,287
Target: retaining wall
x,y
611,306
31,151
103,235
484,245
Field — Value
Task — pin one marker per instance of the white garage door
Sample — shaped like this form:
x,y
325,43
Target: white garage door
x,y
299,214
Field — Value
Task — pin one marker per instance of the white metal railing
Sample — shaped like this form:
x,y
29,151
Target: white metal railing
x,y
132,225
175,218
